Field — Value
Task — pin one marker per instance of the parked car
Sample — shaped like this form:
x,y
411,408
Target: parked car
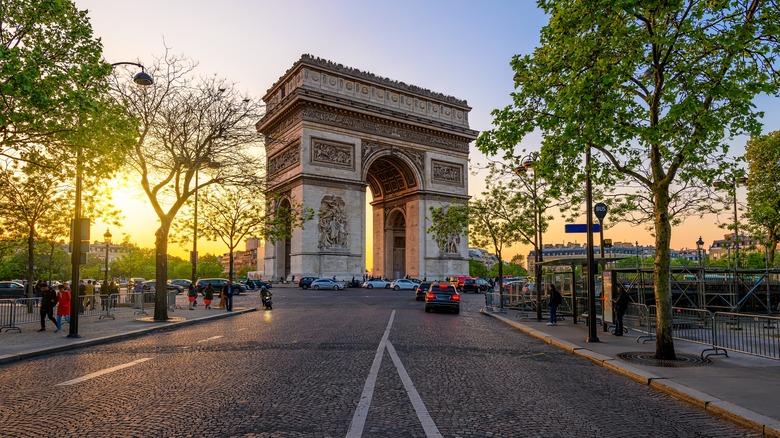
x,y
150,285
217,284
305,282
420,289
256,284
11,289
183,282
327,283
442,296
403,283
376,283
475,285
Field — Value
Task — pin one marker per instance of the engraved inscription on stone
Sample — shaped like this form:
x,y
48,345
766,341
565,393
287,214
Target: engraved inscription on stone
x,y
288,158
328,152
333,223
448,173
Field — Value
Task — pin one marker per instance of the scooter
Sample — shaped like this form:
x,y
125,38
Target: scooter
x,y
265,297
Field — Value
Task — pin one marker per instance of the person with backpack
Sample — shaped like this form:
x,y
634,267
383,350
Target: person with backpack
x,y
555,300
208,295
620,301
192,295
48,302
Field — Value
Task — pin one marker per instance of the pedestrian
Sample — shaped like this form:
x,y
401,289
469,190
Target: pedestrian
x,y
227,292
192,295
89,295
104,295
620,301
63,305
48,302
208,295
555,300
138,290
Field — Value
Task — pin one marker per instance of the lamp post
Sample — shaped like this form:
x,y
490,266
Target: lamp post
x,y
736,180
107,239
592,334
528,163
702,298
80,226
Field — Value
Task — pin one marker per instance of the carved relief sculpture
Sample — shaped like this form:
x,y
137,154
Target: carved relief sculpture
x,y
333,223
447,172
288,158
332,153
450,244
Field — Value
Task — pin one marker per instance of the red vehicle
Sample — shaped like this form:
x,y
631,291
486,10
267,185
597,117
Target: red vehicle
x,y
458,280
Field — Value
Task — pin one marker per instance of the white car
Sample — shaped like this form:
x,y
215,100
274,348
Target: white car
x,y
403,283
326,283
376,283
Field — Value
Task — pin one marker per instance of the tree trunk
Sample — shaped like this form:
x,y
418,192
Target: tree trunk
x,y
664,344
30,262
161,272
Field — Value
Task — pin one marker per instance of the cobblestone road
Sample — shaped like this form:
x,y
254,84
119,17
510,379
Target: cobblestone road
x,y
301,369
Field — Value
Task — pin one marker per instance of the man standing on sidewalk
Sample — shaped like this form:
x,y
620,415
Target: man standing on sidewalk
x,y
227,292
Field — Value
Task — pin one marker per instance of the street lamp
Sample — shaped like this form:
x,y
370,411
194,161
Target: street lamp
x,y
736,181
80,226
528,163
699,244
592,333
702,297
107,239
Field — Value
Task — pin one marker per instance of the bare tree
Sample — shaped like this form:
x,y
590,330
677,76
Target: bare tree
x,y
188,124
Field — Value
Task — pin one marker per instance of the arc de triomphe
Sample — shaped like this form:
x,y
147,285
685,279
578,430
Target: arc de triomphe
x,y
331,131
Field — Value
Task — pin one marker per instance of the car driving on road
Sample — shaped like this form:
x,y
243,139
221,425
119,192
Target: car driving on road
x,y
403,283
326,283
376,283
442,296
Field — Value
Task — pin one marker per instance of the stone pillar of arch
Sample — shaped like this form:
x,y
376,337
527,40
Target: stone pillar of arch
x,y
331,133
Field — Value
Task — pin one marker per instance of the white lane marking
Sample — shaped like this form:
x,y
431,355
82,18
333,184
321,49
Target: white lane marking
x,y
359,419
102,372
428,425
211,338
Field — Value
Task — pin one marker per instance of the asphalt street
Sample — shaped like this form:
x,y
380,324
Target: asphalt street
x,y
358,362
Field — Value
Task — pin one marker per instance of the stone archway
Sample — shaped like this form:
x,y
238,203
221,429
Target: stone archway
x,y
332,132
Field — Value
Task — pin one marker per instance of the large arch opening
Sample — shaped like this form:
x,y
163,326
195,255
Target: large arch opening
x,y
285,259
393,186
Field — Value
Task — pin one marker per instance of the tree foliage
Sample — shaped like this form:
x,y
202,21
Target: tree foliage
x,y
188,124
763,194
655,89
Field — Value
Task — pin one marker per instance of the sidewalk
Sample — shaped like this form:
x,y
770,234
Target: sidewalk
x,y
742,388
16,346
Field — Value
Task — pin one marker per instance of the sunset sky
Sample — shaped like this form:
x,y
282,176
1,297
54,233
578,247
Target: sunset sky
x,y
456,47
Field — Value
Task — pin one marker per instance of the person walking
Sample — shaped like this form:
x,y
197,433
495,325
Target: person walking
x,y
192,294
555,300
89,295
48,302
208,295
227,292
63,305
620,301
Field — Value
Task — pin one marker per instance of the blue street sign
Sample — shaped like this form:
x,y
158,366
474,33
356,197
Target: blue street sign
x,y
582,228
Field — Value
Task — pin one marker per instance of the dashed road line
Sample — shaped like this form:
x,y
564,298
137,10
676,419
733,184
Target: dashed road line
x,y
211,338
102,372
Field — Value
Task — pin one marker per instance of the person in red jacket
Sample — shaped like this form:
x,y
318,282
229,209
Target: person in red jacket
x,y
63,306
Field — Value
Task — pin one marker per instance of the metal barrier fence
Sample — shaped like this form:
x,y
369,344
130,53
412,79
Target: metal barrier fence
x,y
756,335
20,311
751,334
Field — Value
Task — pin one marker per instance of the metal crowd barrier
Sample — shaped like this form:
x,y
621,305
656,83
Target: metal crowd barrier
x,y
19,311
8,315
493,302
750,334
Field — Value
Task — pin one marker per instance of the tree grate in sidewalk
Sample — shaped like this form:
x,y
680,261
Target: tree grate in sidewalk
x,y
647,358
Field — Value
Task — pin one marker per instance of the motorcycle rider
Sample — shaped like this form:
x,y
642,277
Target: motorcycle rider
x,y
265,296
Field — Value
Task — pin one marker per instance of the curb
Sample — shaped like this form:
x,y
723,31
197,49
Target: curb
x,y
162,326
745,417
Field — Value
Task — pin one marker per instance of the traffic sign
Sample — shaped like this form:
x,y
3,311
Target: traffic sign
x,y
601,211
582,228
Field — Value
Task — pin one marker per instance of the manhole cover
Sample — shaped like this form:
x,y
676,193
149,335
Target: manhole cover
x,y
646,358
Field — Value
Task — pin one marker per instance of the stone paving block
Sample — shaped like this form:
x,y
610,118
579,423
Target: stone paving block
x,y
595,357
740,415
630,371
683,392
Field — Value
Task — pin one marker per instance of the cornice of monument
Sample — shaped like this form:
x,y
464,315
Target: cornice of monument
x,y
370,77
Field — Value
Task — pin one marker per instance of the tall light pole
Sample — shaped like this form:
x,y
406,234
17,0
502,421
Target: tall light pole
x,y
736,180
592,333
528,163
107,239
702,297
80,226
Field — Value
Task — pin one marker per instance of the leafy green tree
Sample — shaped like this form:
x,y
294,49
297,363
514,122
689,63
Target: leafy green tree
x,y
763,189
477,269
209,266
654,89
187,125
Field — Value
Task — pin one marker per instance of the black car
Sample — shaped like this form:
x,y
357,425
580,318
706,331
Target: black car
x,y
420,290
442,296
11,289
217,284
257,284
305,282
475,285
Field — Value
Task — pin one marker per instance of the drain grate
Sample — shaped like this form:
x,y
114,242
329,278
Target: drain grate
x,y
646,358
